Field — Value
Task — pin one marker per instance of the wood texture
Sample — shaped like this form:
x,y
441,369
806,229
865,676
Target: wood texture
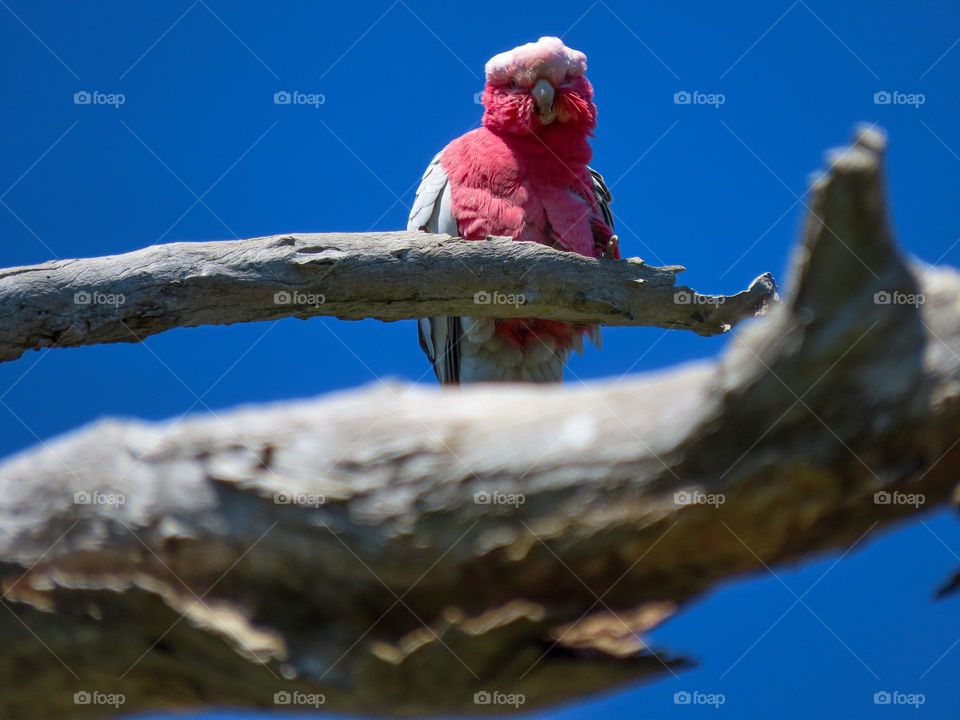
x,y
399,549
389,276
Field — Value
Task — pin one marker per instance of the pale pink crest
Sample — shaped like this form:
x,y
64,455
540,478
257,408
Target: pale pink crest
x,y
546,58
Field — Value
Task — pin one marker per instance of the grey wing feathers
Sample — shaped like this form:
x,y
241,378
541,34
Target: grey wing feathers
x,y
440,336
445,333
603,195
427,201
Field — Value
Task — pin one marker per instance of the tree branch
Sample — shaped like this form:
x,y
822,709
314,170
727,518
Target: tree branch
x,y
400,549
389,276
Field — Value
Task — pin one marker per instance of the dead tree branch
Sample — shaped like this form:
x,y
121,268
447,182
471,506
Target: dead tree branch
x,y
400,549
389,276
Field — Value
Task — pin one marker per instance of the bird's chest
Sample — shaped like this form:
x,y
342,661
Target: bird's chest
x,y
531,196
556,215
536,207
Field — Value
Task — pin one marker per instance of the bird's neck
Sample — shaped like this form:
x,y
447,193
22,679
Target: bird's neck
x,y
552,149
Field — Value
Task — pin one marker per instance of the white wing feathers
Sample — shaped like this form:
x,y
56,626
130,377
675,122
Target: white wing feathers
x,y
426,205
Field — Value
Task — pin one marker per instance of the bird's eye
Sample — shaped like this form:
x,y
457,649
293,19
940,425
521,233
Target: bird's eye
x,y
514,85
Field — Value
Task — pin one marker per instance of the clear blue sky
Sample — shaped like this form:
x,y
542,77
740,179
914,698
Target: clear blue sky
x,y
712,188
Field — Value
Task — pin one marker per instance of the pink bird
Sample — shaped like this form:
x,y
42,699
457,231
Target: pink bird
x,y
523,175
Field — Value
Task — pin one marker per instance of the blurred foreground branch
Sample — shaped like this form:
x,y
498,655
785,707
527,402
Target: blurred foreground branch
x,y
398,550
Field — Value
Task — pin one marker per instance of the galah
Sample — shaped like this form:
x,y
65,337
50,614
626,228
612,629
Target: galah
x,y
523,174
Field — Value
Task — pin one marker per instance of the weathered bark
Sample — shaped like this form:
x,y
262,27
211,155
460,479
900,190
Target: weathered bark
x,y
402,592
389,276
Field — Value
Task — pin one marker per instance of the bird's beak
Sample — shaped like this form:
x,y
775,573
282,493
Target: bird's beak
x,y
543,93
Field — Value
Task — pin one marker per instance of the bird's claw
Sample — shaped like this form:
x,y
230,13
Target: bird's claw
x,y
610,250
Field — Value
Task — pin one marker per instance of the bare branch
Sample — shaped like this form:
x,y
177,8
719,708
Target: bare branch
x,y
400,549
389,276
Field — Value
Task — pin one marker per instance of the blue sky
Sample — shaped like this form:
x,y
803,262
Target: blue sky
x,y
198,151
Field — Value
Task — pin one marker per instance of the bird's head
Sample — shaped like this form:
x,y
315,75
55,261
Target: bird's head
x,y
536,85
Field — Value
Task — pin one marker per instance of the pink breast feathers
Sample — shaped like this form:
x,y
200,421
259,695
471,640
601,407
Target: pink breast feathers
x,y
552,205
